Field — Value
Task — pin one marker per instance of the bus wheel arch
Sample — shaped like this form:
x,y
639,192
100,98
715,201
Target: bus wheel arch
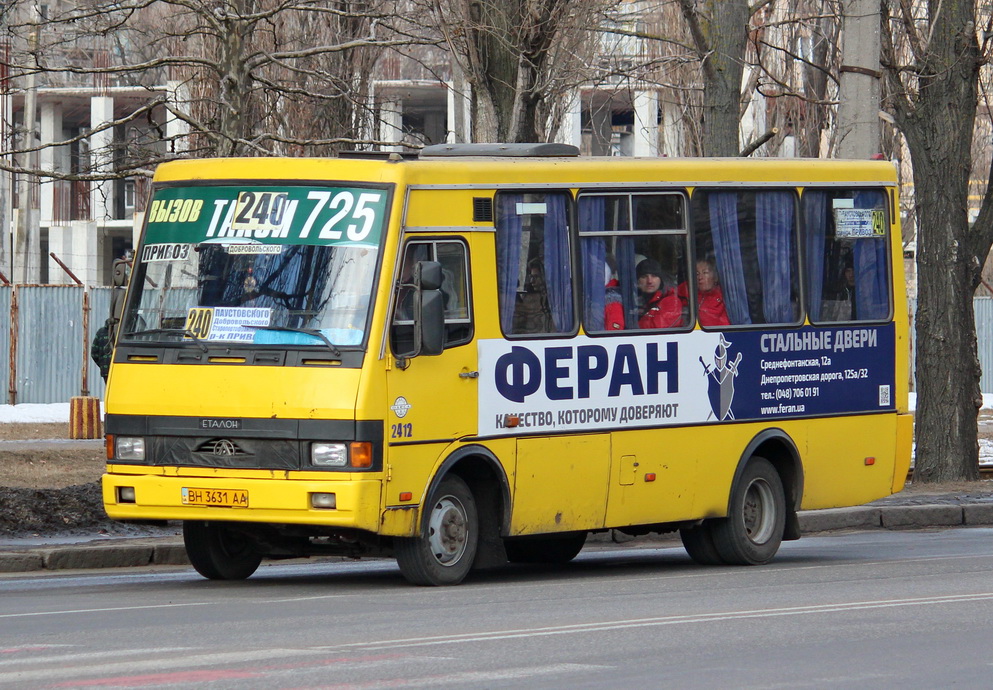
x,y
776,446
471,470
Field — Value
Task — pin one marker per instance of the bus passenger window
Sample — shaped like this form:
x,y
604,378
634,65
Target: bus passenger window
x,y
534,271
748,240
634,248
454,287
845,236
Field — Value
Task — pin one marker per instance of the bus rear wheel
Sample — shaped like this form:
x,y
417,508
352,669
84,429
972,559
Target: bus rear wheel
x,y
218,552
557,549
444,551
753,530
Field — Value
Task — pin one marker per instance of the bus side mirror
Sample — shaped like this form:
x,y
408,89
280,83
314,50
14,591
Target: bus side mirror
x,y
429,309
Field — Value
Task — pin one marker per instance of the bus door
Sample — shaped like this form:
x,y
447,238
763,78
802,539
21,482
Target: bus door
x,y
431,399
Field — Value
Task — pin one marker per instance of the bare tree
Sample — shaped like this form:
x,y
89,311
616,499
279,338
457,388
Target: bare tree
x,y
519,58
932,62
249,77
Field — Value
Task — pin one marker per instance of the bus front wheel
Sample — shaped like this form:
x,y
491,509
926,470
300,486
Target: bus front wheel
x,y
753,530
444,551
218,552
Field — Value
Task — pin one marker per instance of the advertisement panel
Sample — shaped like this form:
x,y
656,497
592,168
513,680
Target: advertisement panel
x,y
554,386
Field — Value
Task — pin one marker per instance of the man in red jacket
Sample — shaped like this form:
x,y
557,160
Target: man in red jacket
x,y
660,306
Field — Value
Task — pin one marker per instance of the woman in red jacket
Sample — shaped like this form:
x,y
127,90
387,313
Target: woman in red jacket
x,y
710,297
660,306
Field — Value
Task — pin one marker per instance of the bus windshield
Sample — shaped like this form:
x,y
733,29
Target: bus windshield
x,y
257,265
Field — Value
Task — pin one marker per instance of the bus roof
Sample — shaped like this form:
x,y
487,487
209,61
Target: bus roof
x,y
460,170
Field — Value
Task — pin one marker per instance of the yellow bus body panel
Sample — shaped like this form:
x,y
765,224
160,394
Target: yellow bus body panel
x,y
226,391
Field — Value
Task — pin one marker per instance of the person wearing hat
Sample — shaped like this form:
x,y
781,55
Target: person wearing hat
x,y
659,306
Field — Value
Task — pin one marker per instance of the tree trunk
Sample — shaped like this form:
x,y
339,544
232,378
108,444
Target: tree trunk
x,y
720,33
948,372
938,125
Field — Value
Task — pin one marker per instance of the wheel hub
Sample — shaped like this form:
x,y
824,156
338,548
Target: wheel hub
x,y
447,531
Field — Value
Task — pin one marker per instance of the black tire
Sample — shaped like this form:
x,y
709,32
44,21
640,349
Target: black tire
x,y
444,551
753,530
218,552
699,544
556,549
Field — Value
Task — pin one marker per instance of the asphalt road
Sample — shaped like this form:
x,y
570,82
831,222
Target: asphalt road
x,y
865,609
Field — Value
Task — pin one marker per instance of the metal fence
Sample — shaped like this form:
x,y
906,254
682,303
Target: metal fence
x,y
45,341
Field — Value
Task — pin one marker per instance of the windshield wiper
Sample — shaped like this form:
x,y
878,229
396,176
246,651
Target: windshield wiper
x,y
306,331
171,331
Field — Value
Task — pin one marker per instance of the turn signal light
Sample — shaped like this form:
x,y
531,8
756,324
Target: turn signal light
x,y
361,454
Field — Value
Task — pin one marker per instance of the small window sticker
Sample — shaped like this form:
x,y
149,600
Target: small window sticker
x,y
859,222
884,396
226,323
165,252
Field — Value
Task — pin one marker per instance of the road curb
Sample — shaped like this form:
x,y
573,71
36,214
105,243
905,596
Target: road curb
x,y
170,551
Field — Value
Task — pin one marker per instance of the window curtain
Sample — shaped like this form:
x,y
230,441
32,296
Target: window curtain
x,y
727,249
871,274
774,243
508,246
815,210
591,209
558,273
626,265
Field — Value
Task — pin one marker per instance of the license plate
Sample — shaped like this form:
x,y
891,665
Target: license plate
x,y
227,498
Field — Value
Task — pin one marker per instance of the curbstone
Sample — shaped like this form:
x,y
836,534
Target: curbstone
x,y
14,562
921,516
978,514
838,518
170,554
97,557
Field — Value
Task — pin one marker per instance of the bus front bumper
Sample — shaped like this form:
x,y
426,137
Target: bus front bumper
x,y
289,501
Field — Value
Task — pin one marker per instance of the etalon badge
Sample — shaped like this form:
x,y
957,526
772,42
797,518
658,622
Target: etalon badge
x,y
400,407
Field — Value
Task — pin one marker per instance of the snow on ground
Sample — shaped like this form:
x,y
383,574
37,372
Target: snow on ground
x,y
31,413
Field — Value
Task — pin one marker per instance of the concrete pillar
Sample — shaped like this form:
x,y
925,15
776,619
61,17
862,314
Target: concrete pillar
x,y
788,147
176,129
80,243
50,159
60,244
459,112
673,143
391,124
6,195
101,154
571,129
646,127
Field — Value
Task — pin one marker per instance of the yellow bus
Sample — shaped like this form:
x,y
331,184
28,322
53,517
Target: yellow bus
x,y
485,353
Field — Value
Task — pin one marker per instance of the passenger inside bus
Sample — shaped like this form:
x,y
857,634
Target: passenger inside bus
x,y
613,307
710,299
659,306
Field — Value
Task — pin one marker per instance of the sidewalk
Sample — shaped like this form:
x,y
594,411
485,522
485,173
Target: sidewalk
x,y
895,512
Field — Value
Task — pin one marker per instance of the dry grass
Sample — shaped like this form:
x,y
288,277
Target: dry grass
x,y
51,468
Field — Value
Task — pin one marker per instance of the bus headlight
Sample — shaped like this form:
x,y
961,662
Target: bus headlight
x,y
129,448
329,454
